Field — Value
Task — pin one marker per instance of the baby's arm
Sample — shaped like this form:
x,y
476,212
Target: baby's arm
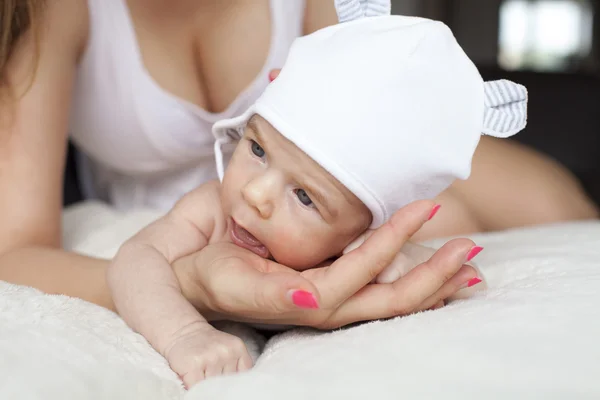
x,y
148,297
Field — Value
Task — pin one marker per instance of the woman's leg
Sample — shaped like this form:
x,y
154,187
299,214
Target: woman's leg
x,y
510,186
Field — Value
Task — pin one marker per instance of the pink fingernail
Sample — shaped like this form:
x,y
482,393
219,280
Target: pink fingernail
x,y
434,211
473,252
304,299
473,282
271,77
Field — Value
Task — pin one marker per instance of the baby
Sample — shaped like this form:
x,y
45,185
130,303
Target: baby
x,y
366,117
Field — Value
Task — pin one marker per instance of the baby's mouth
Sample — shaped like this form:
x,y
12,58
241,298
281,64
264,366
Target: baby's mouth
x,y
241,237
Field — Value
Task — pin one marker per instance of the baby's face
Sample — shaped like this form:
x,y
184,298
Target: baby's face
x,y
282,204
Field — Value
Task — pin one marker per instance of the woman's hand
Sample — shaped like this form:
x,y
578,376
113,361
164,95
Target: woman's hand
x,y
413,255
273,74
226,282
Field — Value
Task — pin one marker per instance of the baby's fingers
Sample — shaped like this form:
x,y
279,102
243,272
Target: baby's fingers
x,y
230,367
240,363
193,377
214,368
244,363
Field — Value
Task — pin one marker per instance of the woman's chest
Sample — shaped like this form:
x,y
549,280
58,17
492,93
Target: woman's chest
x,y
137,113
207,53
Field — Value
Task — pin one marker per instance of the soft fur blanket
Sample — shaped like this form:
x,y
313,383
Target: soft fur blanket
x,y
535,333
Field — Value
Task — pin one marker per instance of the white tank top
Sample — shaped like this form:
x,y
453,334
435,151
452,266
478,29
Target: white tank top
x,y
141,145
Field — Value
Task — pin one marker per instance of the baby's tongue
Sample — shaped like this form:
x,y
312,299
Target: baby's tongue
x,y
245,239
247,236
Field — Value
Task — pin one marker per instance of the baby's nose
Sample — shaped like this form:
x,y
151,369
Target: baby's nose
x,y
259,194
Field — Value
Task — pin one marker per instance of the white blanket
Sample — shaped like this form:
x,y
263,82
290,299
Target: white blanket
x,y
534,334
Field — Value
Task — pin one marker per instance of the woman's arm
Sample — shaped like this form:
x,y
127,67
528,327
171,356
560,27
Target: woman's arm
x,y
510,186
33,139
55,271
514,185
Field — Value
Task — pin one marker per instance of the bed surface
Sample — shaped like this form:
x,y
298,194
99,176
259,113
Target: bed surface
x,y
533,334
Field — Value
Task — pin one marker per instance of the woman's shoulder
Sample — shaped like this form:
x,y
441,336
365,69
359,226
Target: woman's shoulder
x,y
67,22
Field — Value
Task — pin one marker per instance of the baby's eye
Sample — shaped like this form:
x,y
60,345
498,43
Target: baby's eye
x,y
303,197
257,150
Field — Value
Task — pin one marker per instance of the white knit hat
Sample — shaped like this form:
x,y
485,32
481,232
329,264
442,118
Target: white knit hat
x,y
391,106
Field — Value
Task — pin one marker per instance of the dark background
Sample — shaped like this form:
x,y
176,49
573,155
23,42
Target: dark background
x,y
564,105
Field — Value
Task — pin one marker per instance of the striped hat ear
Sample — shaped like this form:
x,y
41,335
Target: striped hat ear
x,y
375,8
349,10
505,111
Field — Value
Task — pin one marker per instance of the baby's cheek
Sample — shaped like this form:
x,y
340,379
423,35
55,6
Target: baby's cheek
x,y
302,250
290,239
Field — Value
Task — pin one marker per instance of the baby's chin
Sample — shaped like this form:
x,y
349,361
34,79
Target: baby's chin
x,y
298,260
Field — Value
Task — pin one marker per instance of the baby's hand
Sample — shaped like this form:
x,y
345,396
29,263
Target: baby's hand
x,y
201,351
409,257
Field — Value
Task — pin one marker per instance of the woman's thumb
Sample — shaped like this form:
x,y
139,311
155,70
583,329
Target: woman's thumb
x,y
283,292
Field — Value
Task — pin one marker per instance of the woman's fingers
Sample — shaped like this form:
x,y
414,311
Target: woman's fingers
x,y
357,268
435,273
440,304
406,295
274,73
448,289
